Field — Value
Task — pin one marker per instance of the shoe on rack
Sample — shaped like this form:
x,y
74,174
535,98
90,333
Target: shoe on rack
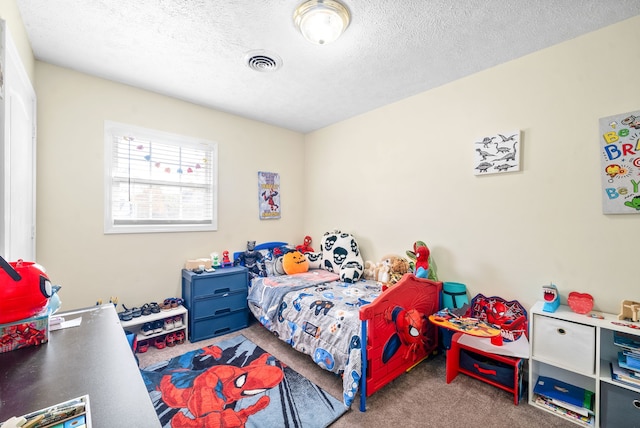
x,y
158,326
143,346
180,337
154,307
147,328
135,312
125,315
145,309
171,339
169,324
160,342
177,321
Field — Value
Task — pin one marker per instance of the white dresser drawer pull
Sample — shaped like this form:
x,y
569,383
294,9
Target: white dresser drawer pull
x,y
636,404
561,331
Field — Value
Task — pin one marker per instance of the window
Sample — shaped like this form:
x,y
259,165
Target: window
x,y
158,182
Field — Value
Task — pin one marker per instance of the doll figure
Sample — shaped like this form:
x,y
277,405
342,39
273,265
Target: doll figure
x,y
253,260
225,259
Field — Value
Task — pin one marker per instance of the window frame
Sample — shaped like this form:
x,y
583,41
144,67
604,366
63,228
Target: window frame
x,y
114,130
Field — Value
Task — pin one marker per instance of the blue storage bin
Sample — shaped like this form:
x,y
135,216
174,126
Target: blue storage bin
x,y
454,295
487,368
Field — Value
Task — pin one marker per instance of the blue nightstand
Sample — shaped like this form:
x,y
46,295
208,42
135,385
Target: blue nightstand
x,y
217,301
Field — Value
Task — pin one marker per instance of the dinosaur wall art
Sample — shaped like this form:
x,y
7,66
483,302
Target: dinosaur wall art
x,y
497,153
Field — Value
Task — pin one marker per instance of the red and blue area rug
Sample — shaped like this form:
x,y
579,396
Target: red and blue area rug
x,y
235,383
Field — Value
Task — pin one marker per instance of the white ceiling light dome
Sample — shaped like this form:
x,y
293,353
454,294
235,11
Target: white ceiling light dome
x,y
321,21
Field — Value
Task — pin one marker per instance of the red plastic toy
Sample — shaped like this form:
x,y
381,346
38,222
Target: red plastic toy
x,y
24,290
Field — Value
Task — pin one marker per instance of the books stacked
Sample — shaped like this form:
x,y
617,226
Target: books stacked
x,y
72,413
627,368
563,398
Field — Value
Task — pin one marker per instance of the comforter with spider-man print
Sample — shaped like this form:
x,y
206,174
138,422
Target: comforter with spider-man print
x,y
321,320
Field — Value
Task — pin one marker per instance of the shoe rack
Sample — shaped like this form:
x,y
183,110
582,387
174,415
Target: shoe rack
x,y
137,324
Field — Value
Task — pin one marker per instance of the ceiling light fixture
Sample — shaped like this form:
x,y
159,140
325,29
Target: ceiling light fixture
x,y
321,21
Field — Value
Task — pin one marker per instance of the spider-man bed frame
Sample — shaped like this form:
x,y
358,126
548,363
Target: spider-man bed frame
x,y
396,326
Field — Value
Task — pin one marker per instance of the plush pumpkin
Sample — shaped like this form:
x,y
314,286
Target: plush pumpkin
x,y
295,262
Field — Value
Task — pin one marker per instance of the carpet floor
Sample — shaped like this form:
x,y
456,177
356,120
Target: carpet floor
x,y
419,398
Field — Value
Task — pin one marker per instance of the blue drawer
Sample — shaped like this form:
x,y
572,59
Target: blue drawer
x,y
487,368
222,304
218,283
216,326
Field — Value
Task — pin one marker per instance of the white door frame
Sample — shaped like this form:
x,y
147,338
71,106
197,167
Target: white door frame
x,y
18,149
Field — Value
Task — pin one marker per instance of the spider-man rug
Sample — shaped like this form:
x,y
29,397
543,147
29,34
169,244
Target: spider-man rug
x,y
235,383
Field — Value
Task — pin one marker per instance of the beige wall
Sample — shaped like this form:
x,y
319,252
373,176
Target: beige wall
x,y
392,176
10,13
405,172
139,268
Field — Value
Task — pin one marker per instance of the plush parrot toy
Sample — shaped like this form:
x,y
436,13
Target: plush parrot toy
x,y
421,261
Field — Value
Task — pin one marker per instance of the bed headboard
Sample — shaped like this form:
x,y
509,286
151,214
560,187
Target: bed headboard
x,y
262,246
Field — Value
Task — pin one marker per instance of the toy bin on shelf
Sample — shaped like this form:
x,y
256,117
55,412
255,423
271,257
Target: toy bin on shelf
x,y
498,370
619,406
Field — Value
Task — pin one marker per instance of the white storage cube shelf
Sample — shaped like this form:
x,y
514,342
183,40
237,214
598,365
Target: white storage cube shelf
x,y
577,349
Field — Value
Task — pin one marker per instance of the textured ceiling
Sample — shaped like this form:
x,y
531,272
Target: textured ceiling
x,y
196,50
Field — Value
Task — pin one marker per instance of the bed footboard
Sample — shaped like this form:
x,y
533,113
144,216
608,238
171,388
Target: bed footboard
x,y
398,333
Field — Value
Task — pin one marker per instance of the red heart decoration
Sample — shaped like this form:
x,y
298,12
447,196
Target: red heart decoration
x,y
580,303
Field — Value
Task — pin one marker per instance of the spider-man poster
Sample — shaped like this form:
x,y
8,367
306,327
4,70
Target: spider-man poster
x,y
269,195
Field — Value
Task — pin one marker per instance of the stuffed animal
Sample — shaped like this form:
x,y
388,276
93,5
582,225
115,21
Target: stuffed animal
x,y
295,262
384,268
252,260
370,271
422,260
422,263
388,270
399,267
305,247
338,253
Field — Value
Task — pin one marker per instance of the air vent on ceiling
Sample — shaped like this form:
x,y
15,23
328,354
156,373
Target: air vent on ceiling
x,y
263,61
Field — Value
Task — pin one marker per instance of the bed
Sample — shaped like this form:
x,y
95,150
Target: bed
x,y
326,318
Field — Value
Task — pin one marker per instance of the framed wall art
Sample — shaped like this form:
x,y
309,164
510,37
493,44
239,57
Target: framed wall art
x,y
269,195
498,153
620,163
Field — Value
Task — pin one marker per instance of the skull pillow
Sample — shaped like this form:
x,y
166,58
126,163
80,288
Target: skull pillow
x,y
339,253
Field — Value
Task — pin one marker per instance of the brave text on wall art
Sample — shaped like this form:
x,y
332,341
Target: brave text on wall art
x,y
620,166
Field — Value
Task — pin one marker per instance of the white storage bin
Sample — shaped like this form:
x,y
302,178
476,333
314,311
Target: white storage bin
x,y
564,343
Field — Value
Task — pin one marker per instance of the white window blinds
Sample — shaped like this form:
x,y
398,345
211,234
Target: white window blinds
x,y
158,182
